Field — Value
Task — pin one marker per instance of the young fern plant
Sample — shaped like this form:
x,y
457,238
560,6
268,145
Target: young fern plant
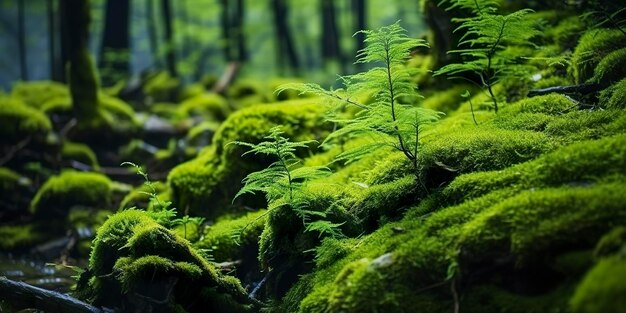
x,y
161,211
284,180
486,36
393,117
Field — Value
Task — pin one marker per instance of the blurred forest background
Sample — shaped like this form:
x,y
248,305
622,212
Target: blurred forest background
x,y
197,39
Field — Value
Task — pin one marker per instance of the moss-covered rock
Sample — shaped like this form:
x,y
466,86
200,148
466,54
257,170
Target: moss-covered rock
x,y
73,151
611,68
19,121
603,288
208,106
614,97
20,236
207,183
41,94
592,47
154,269
59,193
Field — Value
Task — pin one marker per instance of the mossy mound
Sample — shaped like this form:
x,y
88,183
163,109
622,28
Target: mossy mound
x,y
207,106
73,151
611,68
603,288
210,180
20,236
152,268
614,97
592,47
234,239
19,121
59,193
41,94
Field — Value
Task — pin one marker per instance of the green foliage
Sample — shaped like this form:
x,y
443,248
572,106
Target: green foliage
x,y
161,211
614,97
592,47
283,181
392,118
486,37
79,152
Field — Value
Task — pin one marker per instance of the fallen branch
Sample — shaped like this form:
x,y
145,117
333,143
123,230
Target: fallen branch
x,y
22,296
581,89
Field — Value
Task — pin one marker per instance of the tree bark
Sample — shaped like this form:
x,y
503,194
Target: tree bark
x,y
286,51
80,69
21,37
24,296
54,71
115,40
170,55
152,33
359,8
331,50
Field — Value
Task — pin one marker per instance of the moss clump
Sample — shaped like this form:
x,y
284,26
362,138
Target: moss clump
x,y
19,121
20,236
567,32
446,101
611,68
614,97
603,288
39,94
206,105
150,262
481,149
233,239
592,47
161,87
576,164
79,152
611,243
215,175
59,193
9,179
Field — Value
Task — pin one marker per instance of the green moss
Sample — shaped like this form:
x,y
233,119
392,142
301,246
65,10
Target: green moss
x,y
19,121
611,243
149,260
583,125
79,152
552,104
611,68
592,47
567,32
207,105
481,149
140,196
533,223
447,100
161,87
603,288
215,175
614,97
232,239
578,163
39,94
9,179
19,236
59,193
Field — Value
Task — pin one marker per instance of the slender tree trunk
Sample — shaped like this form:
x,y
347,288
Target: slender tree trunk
x,y
54,74
21,29
284,42
242,53
170,55
331,49
114,54
184,16
64,57
226,36
152,33
359,8
76,17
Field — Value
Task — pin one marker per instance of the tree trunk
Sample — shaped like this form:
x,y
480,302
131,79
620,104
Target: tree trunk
x,y
114,54
54,69
359,9
152,33
226,36
331,49
76,17
170,55
242,53
284,42
21,37
24,296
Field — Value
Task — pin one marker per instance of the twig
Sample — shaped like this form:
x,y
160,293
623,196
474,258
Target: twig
x,y
11,153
